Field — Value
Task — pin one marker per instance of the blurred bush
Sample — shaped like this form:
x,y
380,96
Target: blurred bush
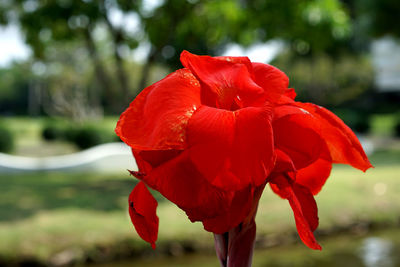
x,y
397,126
88,137
51,132
357,120
327,81
6,140
83,136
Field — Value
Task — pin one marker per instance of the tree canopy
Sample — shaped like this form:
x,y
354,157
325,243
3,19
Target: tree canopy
x,y
98,36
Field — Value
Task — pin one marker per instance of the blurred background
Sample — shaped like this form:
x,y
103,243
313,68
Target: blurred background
x,y
68,68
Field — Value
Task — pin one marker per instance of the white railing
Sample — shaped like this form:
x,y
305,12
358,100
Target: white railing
x,y
109,157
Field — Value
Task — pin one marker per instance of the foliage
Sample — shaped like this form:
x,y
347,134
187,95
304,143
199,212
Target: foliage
x,y
325,80
397,128
378,17
83,63
308,26
89,43
6,140
87,137
357,120
53,130
206,27
82,135
15,88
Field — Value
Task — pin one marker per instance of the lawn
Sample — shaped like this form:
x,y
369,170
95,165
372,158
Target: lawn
x,y
44,214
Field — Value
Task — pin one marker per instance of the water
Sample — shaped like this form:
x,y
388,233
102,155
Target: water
x,y
378,249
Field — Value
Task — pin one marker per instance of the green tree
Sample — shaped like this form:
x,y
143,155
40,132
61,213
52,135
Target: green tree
x,y
47,22
200,26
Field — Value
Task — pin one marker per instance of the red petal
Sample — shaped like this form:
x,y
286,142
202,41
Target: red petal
x,y
271,79
253,154
283,162
304,208
239,209
287,98
147,160
308,205
242,210
241,60
157,118
290,93
210,135
180,182
223,80
295,134
142,210
342,142
231,149
315,175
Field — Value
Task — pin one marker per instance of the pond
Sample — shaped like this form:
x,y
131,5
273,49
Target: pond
x,y
378,249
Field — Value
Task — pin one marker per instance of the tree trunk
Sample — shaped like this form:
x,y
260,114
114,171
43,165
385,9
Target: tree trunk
x,y
146,69
119,62
102,77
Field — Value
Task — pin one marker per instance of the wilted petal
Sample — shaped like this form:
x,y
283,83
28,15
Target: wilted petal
x,y
142,210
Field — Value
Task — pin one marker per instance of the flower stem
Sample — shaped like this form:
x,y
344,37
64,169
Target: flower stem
x,y
235,248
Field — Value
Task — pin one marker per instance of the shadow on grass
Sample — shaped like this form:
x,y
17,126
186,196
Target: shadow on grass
x,y
24,195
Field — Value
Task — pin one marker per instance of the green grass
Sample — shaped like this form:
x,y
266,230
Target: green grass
x,y
43,214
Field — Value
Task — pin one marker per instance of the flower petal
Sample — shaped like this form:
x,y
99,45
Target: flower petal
x,y
223,80
157,118
142,210
253,154
210,135
296,135
231,149
239,209
315,175
283,162
271,79
180,182
304,208
147,160
342,142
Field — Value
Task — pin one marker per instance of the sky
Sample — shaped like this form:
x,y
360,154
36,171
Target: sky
x,y
12,46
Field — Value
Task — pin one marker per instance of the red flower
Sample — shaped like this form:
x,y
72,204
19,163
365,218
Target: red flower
x,y
210,136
